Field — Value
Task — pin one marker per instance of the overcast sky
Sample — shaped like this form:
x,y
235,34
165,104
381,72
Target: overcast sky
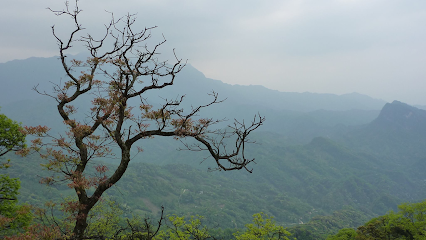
x,y
373,47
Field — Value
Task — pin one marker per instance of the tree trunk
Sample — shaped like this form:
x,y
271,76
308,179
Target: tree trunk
x,y
88,203
80,224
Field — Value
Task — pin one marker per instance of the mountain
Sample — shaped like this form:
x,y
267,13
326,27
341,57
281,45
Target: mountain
x,y
22,75
18,77
260,97
402,117
316,153
397,136
300,116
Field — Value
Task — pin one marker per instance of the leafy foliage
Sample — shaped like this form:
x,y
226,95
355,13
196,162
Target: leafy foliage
x,y
343,234
181,229
13,217
11,137
263,227
105,218
408,223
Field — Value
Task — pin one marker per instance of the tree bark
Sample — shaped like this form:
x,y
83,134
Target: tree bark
x,y
80,224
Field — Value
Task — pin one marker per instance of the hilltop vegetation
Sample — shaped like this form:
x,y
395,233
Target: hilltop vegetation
x,y
408,223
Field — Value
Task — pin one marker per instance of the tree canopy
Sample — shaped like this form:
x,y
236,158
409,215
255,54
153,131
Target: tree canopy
x,y
11,136
408,223
263,227
13,217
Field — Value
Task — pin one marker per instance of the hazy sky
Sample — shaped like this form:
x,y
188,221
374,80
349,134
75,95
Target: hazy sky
x,y
374,47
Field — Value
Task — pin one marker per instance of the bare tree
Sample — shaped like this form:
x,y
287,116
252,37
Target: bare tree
x,y
112,120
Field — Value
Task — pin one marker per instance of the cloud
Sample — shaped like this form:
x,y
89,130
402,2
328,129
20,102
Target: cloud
x,y
371,46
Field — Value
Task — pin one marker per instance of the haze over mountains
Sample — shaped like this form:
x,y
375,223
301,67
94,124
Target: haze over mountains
x,y
316,153
285,111
22,75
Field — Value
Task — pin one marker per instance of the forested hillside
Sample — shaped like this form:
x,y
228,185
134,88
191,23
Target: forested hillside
x,y
320,158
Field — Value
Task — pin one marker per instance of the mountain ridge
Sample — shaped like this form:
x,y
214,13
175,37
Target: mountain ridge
x,y
42,71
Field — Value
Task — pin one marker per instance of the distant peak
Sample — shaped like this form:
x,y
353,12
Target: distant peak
x,y
398,102
399,114
398,106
